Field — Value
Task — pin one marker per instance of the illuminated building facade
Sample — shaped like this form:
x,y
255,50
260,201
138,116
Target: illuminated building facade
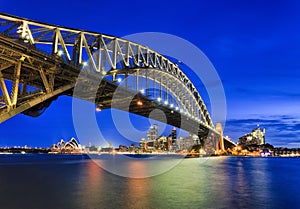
x,y
152,134
256,137
173,134
71,146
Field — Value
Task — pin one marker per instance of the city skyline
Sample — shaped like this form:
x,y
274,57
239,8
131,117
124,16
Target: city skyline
x,y
253,46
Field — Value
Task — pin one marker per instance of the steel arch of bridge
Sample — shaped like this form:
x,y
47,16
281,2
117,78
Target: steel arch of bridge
x,y
74,50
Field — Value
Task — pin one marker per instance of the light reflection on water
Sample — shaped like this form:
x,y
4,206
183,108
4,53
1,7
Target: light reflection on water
x,y
137,167
217,182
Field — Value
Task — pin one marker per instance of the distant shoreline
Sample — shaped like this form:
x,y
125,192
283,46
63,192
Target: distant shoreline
x,y
142,155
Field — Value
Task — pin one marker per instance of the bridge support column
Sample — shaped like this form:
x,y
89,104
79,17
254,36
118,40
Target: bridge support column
x,y
217,144
219,128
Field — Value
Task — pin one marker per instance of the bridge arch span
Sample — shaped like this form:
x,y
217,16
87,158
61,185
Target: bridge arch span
x,y
76,49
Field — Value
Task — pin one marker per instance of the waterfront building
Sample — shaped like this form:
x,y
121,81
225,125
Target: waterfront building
x,y
143,145
60,144
173,134
173,137
160,143
259,134
131,148
185,144
152,134
71,146
256,137
123,148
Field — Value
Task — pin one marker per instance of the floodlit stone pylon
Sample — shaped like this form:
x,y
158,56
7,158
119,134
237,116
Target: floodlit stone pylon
x,y
220,144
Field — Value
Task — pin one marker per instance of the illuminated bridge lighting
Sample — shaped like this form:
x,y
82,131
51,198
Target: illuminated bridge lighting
x,y
60,52
139,103
182,96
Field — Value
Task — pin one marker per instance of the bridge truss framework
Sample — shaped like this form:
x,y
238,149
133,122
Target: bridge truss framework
x,y
39,62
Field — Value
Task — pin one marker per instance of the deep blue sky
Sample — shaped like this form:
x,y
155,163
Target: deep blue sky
x,y
254,46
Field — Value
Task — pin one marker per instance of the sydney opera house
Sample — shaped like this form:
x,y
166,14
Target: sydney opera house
x,y
71,146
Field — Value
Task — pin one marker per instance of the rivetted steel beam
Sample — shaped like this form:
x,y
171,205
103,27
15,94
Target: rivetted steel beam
x,y
15,88
27,105
6,66
5,92
45,81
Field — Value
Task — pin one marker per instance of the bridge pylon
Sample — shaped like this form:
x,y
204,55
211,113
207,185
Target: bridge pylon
x,y
220,143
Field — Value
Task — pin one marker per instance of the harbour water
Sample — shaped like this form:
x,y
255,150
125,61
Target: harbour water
x,y
54,181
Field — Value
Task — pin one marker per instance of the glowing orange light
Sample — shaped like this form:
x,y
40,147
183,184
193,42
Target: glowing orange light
x,y
139,103
98,109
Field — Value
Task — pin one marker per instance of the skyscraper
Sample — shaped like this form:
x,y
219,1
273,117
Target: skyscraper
x,y
173,134
152,133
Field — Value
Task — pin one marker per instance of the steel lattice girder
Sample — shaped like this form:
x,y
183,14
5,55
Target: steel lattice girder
x,y
104,53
